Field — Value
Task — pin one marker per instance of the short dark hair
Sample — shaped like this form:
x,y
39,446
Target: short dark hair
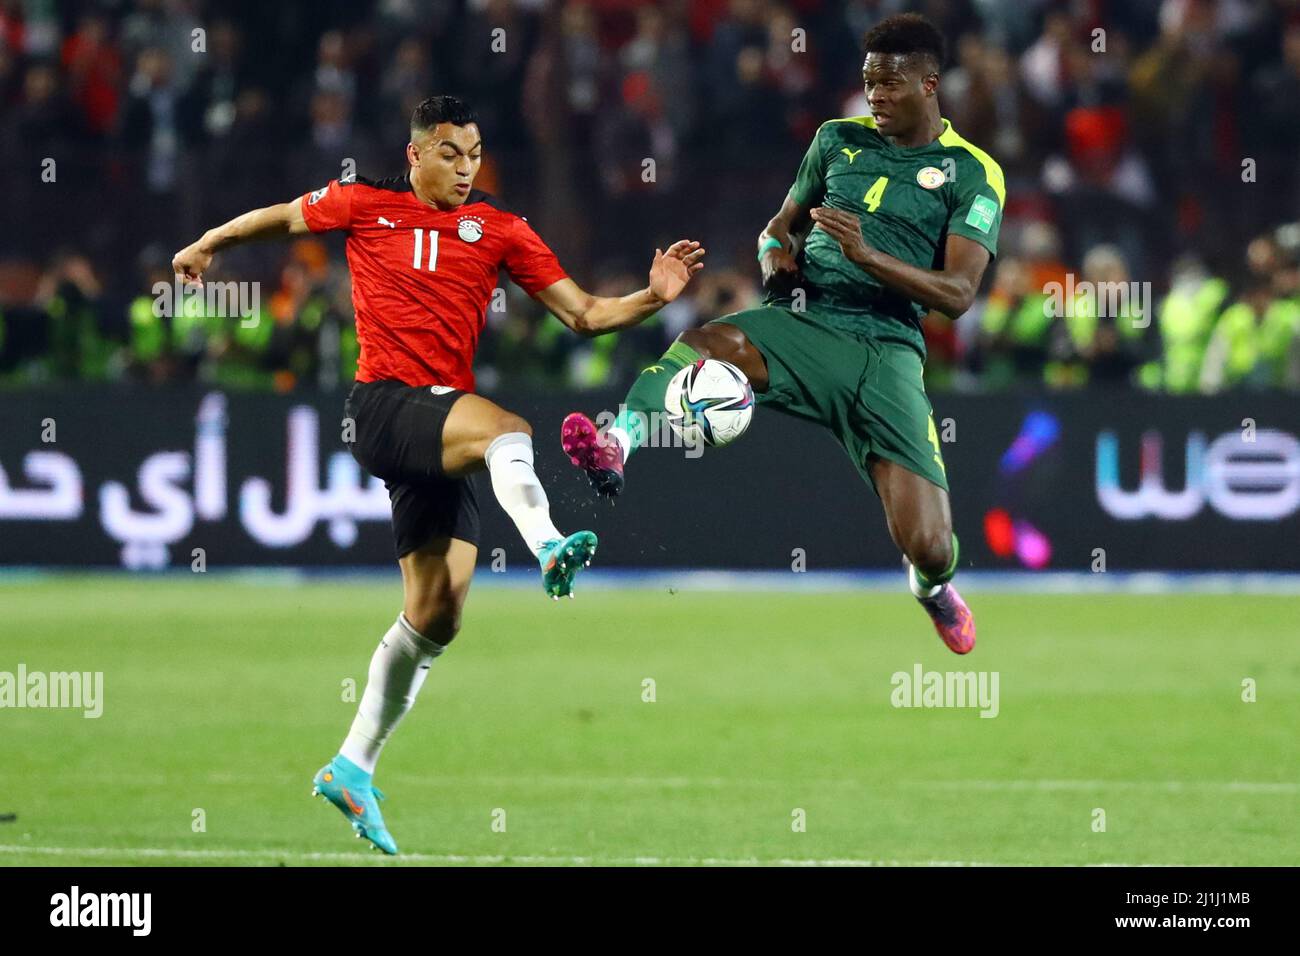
x,y
441,109
908,34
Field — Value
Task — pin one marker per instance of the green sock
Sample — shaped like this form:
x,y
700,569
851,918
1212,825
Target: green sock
x,y
945,576
646,395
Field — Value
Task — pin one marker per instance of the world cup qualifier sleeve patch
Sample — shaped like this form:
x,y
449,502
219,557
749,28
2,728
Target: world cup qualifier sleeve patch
x,y
982,213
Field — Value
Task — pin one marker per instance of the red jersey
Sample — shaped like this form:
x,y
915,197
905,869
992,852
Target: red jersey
x,y
422,277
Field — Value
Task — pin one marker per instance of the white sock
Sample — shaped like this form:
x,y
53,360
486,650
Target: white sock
x,y
510,463
624,440
397,670
916,588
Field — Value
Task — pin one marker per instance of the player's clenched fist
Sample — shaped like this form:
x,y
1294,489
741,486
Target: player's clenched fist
x,y
191,262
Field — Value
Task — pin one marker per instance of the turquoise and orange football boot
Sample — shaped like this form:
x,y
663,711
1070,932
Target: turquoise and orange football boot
x,y
562,559
348,787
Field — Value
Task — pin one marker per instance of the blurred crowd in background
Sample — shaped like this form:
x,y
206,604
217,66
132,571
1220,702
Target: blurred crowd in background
x,y
1154,143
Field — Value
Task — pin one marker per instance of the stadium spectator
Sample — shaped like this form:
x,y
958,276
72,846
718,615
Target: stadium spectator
x,y
1101,336
169,26
93,67
208,106
1253,340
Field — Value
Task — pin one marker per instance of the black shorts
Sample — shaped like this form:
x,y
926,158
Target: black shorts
x,y
398,439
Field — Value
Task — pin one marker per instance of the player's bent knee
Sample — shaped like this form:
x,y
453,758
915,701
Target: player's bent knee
x,y
711,341
507,423
474,423
511,422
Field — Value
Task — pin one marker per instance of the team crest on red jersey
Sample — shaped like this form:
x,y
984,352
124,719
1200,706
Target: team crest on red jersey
x,y
470,228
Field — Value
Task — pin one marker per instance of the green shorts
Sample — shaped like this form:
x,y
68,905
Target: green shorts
x,y
869,394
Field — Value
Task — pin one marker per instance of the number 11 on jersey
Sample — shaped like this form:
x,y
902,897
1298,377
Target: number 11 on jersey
x,y
419,248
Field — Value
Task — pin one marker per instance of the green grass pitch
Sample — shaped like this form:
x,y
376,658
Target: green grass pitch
x,y
224,695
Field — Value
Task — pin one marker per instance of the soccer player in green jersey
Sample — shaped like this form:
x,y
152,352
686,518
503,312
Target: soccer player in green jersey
x,y
900,217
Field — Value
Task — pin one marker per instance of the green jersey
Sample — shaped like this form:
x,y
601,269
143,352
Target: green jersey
x,y
909,200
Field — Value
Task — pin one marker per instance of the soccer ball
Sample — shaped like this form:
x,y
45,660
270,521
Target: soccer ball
x,y
709,402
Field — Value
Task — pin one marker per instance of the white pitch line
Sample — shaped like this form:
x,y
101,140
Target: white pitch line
x,y
1260,787
152,852
147,853
686,783
1169,786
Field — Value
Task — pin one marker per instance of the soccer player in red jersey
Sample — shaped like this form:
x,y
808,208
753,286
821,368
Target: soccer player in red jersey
x,y
424,250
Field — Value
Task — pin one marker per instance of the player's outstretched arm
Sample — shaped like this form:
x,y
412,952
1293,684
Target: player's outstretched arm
x,y
589,314
949,290
270,222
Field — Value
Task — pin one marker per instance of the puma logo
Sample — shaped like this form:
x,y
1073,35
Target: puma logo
x,y
850,153
653,368
385,222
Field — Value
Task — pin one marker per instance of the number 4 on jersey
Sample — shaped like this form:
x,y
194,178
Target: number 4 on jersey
x,y
875,194
419,248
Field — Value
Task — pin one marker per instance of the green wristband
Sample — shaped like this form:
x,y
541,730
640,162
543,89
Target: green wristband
x,y
771,242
